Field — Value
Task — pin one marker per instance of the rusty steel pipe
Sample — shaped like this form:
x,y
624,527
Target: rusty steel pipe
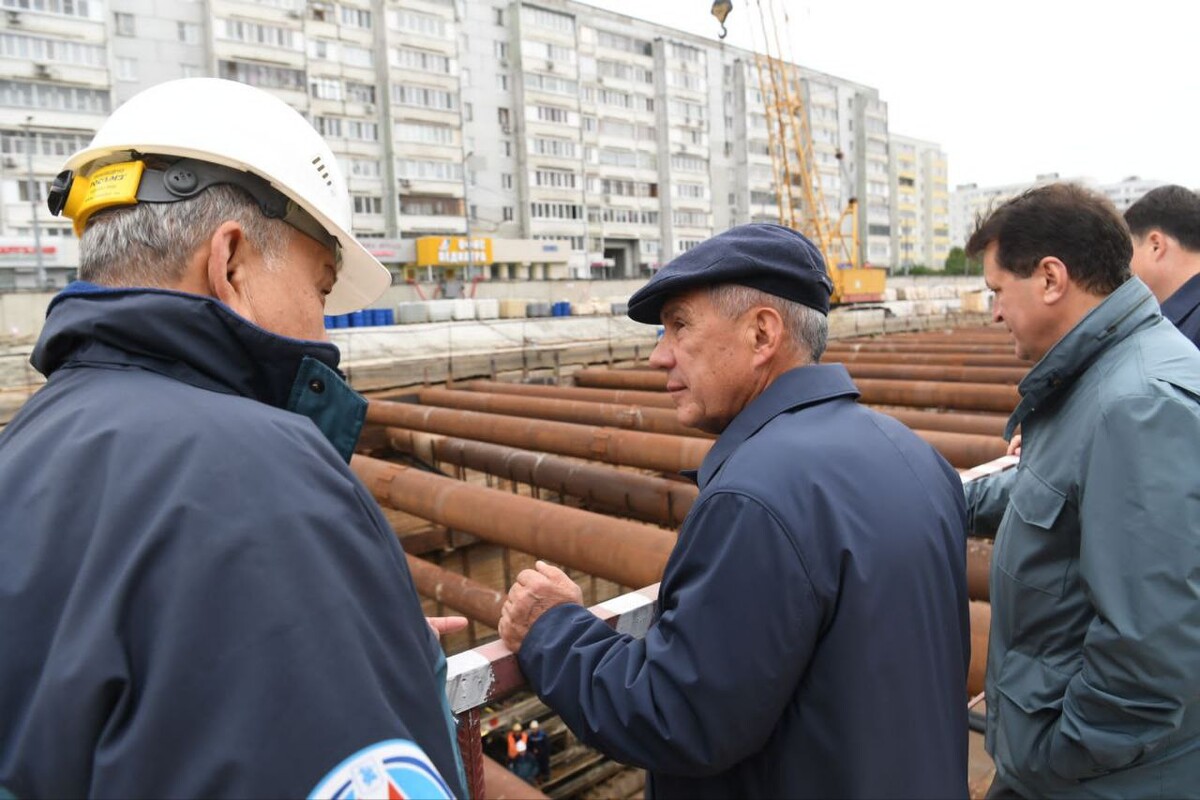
x,y
500,783
643,497
636,379
960,449
981,623
628,553
644,380
884,346
944,359
615,396
954,422
965,450
918,420
460,593
1010,376
979,568
653,420
931,394
657,451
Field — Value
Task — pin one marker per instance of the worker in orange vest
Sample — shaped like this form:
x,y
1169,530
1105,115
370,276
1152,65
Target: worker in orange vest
x,y
518,747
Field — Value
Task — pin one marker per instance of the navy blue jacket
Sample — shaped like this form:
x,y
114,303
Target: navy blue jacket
x,y
1183,309
812,637
197,596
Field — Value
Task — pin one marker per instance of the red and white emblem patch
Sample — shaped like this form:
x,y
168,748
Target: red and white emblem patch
x,y
388,770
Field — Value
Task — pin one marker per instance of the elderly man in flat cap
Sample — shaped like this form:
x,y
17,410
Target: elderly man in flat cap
x,y
812,636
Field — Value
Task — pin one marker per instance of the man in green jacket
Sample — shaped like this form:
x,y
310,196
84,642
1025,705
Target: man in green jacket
x,y
1093,674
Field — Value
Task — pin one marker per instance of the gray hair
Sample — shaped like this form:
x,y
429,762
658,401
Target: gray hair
x,y
807,327
150,244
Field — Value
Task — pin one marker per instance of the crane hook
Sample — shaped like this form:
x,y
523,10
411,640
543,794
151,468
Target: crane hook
x,y
720,10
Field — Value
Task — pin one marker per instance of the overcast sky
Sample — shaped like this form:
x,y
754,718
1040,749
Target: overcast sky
x,y
1008,89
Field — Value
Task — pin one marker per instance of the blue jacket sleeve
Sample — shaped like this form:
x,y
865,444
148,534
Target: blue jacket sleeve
x,y
1140,565
987,499
703,690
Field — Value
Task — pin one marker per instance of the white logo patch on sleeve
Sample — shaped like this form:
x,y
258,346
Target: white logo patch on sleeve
x,y
393,770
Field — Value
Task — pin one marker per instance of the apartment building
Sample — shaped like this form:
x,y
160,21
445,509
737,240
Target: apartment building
x,y
620,141
920,203
970,201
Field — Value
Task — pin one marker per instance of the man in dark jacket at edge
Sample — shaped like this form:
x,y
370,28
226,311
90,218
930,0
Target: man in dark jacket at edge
x,y
198,598
1165,224
812,635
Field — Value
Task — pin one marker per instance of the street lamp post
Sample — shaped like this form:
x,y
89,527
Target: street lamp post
x,y
33,203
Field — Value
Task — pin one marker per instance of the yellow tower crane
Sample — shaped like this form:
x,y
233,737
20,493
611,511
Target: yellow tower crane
x,y
797,179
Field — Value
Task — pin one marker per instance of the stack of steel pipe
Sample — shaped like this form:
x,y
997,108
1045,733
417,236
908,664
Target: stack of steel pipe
x,y
954,391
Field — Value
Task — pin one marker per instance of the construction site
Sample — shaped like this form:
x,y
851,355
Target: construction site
x,y
494,440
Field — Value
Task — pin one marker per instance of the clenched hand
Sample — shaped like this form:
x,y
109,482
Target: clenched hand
x,y
535,592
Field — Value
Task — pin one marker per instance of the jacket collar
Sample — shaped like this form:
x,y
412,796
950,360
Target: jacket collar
x,y
803,386
1130,307
199,341
1180,305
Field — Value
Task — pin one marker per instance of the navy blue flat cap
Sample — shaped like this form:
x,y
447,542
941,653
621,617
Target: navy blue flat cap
x,y
771,258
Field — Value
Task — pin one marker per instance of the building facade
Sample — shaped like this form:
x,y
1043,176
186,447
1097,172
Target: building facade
x,y
622,142
920,207
969,202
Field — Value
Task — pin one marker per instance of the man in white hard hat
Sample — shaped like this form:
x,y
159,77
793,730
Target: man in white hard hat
x,y
197,596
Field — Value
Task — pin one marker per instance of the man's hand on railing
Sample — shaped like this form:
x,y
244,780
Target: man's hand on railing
x,y
443,626
535,592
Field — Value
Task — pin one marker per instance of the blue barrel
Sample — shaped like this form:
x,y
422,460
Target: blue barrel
x,y
387,316
358,319
374,316
330,322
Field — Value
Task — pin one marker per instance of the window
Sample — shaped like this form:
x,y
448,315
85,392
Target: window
x,y
544,18
555,178
430,206
42,49
616,41
237,30
123,24
366,204
365,168
353,17
262,75
499,16
552,114
362,131
500,48
192,71
686,163
188,32
502,81
424,133
325,88
506,180
354,56
126,69
690,219
563,148
419,60
550,83
51,96
555,211
506,213
429,170
66,8
416,22
424,97
360,92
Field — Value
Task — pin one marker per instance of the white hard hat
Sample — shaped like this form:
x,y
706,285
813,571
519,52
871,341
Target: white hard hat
x,y
239,126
